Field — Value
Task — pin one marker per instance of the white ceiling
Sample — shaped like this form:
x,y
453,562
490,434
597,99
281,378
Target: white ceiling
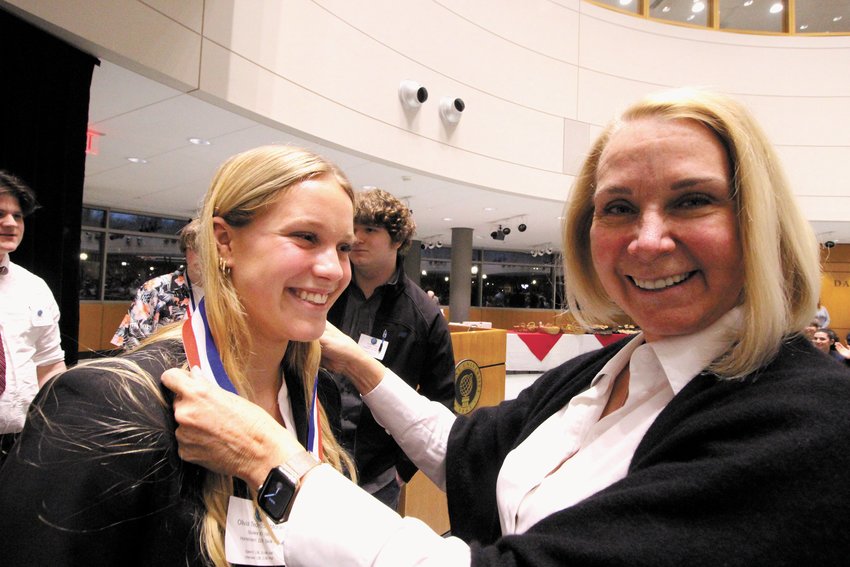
x,y
141,118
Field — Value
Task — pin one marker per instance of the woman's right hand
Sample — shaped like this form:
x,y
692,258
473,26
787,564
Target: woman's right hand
x,y
224,432
342,355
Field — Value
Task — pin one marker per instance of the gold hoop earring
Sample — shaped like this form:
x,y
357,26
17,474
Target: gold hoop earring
x,y
223,267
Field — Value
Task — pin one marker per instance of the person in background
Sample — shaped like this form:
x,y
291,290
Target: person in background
x,y
718,435
396,322
95,479
163,299
30,345
826,340
822,315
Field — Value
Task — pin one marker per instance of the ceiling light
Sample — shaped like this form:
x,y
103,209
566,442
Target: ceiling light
x,y
137,160
368,187
698,7
424,272
474,270
748,3
804,27
691,17
199,141
84,256
665,9
625,2
447,219
837,18
489,209
776,8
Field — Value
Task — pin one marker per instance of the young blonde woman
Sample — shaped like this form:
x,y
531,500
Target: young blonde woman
x,y
96,478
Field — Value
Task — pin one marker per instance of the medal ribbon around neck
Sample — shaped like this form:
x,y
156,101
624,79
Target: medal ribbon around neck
x,y
201,351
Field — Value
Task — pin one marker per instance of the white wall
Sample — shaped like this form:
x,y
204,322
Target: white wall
x,y
539,78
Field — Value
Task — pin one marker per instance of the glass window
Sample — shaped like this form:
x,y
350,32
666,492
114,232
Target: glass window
x,y
142,223
435,276
632,6
132,260
91,256
822,16
93,217
695,13
754,15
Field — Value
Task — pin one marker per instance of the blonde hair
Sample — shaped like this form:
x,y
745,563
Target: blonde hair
x,y
242,188
781,262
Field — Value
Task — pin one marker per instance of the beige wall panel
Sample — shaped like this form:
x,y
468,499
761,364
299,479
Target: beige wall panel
x,y
663,54
231,79
817,170
473,56
804,121
128,32
332,60
189,13
541,26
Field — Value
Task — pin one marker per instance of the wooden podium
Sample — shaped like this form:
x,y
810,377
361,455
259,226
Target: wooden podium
x,y
479,381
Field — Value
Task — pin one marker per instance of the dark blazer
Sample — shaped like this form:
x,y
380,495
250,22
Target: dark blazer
x,y
95,479
732,472
419,352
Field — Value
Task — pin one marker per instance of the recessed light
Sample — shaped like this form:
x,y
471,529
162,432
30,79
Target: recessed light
x,y
698,7
665,9
691,17
489,209
777,7
625,2
447,219
804,27
837,18
137,160
199,141
748,3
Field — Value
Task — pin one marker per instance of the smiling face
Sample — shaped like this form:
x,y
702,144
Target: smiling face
x,y
664,236
821,340
11,224
290,263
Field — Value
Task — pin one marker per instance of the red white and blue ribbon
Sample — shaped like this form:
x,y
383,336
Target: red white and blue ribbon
x,y
201,352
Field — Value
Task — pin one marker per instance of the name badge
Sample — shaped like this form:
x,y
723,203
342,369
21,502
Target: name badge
x,y
250,538
39,317
375,347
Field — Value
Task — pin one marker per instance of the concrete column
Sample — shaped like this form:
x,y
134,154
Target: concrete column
x,y
460,285
413,261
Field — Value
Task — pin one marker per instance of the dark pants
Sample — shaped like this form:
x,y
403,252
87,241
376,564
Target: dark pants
x,y
389,494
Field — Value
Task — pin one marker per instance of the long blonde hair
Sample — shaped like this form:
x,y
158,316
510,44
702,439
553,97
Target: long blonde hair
x,y
242,188
781,262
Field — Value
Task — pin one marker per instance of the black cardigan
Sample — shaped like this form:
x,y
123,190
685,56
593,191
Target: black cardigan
x,y
81,492
746,472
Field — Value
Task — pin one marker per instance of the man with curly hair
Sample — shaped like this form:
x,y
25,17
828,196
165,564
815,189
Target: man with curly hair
x,y
396,322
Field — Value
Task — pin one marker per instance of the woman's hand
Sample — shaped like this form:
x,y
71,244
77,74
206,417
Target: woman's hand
x,y
342,355
842,350
224,432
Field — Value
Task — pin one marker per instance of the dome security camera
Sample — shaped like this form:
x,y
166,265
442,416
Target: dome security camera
x,y
439,244
829,243
451,109
506,230
412,94
522,227
422,246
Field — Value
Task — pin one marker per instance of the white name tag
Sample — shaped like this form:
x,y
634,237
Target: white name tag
x,y
375,347
247,540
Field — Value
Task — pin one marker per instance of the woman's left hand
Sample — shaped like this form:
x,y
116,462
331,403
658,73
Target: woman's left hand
x,y
842,350
224,432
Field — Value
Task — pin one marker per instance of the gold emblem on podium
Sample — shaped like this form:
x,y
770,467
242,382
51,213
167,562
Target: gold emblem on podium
x,y
468,385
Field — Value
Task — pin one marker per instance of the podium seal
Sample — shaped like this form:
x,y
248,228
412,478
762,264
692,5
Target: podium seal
x,y
467,386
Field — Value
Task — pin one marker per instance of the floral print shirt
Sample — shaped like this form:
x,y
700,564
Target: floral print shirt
x,y
159,301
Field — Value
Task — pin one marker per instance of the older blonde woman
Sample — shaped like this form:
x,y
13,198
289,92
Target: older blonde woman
x,y
717,436
96,480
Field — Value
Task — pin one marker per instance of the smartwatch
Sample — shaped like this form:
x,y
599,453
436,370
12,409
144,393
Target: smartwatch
x,y
277,494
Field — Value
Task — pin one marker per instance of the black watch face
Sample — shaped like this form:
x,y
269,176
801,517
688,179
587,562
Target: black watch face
x,y
275,495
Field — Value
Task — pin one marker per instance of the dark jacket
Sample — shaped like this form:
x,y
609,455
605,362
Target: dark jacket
x,y
736,473
419,351
101,484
